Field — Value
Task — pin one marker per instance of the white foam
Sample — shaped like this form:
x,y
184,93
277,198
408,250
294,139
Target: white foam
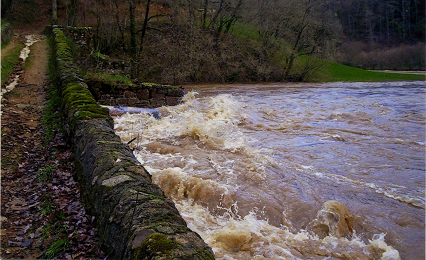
x,y
389,253
234,237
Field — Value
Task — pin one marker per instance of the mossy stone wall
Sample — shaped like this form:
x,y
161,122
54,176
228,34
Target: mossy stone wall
x,y
134,217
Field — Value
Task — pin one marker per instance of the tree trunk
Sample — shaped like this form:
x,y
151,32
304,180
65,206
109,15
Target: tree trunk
x,y
54,12
296,47
234,16
145,23
206,6
120,28
132,38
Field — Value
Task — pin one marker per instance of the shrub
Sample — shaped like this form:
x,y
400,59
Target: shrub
x,y
372,56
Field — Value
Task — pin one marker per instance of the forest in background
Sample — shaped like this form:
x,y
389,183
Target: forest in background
x,y
184,41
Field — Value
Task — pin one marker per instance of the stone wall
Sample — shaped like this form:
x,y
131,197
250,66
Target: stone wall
x,y
147,95
82,37
134,218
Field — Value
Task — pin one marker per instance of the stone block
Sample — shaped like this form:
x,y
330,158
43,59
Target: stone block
x,y
157,102
109,102
175,92
143,94
129,94
105,96
143,103
162,89
121,101
123,87
133,101
172,101
158,95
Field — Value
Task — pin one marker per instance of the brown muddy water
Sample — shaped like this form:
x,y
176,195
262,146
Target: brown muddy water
x,y
251,167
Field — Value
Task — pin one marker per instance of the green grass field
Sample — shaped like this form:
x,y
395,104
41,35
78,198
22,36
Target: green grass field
x,y
337,72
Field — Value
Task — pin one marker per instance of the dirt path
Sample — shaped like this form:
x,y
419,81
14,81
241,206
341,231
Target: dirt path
x,y
37,72
41,213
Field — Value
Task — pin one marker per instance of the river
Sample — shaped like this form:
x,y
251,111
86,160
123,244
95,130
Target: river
x,y
251,167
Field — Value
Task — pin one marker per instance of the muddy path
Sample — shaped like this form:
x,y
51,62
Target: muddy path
x,y
41,212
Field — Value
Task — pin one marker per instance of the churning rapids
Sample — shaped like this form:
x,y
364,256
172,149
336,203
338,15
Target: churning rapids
x,y
256,170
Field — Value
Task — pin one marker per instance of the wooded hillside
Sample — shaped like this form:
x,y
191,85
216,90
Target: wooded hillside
x,y
253,40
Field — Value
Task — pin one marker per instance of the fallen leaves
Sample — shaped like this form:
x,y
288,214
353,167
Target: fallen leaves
x,y
40,217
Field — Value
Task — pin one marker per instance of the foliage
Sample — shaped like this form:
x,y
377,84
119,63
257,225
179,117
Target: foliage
x,y
51,117
383,21
374,56
99,56
181,41
20,12
46,208
56,247
4,23
45,174
55,229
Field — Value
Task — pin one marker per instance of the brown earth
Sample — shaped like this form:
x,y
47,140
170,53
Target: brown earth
x,y
41,212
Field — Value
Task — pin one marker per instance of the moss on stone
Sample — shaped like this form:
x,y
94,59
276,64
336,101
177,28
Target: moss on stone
x,y
112,80
74,95
86,115
166,226
155,245
205,254
71,87
63,50
73,101
91,111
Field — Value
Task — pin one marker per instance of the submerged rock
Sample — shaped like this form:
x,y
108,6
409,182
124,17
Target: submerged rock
x,y
333,219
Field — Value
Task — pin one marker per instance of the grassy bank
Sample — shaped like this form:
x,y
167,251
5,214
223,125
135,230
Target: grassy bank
x,y
10,61
330,71
326,70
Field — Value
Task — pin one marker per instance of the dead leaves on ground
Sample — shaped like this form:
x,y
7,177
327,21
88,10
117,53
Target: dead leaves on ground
x,y
40,217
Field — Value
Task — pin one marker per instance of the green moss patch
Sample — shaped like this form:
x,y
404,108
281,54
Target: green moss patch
x,y
155,245
99,56
86,112
112,80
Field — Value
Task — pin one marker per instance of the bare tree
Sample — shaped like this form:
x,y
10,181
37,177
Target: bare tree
x,y
132,29
54,12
